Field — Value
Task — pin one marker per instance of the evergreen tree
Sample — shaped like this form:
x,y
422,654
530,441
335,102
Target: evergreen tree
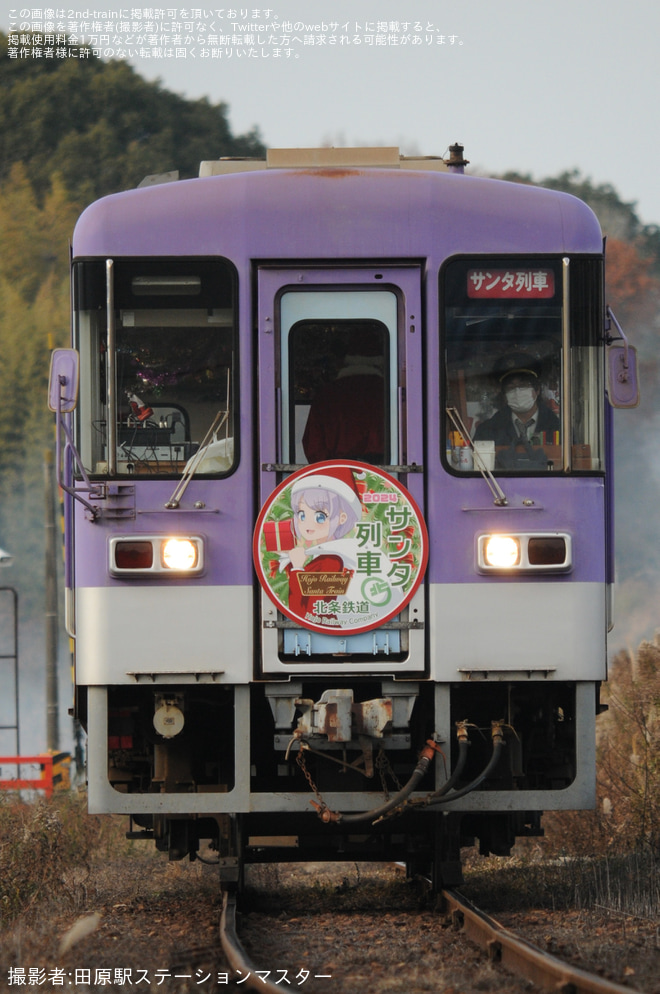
x,y
102,127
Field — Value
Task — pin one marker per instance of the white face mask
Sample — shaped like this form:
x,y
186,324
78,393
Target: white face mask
x,y
521,399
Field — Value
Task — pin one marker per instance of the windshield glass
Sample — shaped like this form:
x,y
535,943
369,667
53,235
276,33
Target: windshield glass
x,y
523,368
163,342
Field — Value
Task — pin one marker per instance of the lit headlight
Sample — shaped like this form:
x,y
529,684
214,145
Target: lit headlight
x,y
156,555
502,551
525,552
180,554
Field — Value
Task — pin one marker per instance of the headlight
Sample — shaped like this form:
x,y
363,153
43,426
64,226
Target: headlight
x,y
157,555
179,554
524,552
502,551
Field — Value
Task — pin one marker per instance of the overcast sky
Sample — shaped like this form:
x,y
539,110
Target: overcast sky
x,y
535,87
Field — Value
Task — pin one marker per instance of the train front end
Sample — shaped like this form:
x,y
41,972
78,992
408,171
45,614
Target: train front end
x,y
328,599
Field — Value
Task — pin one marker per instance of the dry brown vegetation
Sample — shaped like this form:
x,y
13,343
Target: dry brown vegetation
x,y
39,843
627,815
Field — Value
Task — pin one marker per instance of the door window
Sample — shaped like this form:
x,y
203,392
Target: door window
x,y
338,375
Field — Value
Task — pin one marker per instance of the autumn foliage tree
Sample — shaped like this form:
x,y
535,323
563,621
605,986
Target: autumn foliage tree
x,y
631,288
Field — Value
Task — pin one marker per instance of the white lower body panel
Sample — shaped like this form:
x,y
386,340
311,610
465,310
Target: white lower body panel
x,y
534,630
176,634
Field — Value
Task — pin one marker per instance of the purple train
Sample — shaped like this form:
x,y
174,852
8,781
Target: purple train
x,y
336,451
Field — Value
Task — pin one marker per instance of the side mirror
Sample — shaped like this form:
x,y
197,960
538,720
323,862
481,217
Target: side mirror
x,y
622,382
63,384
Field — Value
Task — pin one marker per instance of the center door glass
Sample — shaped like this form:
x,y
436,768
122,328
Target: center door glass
x,y
338,375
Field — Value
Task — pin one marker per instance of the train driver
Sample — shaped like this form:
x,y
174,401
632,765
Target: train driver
x,y
524,418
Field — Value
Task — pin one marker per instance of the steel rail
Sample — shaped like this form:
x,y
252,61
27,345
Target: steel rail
x,y
520,956
237,957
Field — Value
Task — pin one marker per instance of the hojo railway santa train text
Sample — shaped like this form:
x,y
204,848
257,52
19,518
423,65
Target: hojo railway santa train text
x,y
335,439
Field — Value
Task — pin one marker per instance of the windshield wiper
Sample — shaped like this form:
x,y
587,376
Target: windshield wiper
x,y
499,497
193,463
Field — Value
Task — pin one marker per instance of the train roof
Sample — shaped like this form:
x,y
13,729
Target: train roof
x,y
410,208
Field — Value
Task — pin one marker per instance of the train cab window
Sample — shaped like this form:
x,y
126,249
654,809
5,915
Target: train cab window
x,y
523,365
156,342
338,374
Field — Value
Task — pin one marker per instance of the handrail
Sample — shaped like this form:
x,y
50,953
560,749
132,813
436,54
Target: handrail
x,y
566,400
111,388
89,487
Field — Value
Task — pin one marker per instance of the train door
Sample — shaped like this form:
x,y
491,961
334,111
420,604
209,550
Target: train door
x,y
340,378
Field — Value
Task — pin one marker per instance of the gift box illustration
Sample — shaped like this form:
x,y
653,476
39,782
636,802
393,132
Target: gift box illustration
x,y
279,536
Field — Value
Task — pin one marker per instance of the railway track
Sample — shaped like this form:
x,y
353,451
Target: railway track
x,y
502,946
237,958
522,957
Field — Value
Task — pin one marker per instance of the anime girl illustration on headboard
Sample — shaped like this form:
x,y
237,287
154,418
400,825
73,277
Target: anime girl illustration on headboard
x,y
340,547
326,509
